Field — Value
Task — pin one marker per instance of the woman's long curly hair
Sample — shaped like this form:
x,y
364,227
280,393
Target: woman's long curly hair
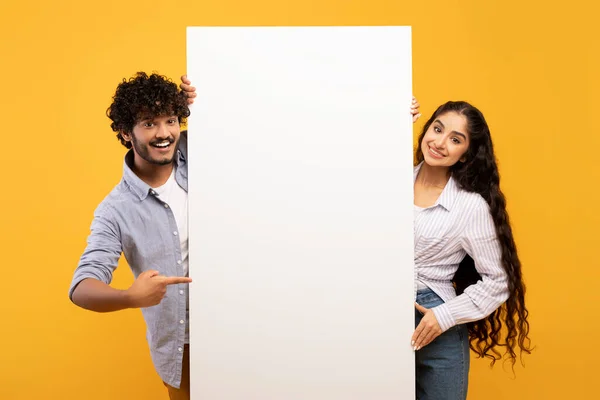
x,y
479,174
145,96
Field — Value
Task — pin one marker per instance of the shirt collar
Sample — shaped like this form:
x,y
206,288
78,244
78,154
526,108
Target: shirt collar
x,y
448,196
140,188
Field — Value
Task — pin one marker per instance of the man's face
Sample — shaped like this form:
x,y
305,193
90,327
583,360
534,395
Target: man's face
x,y
155,139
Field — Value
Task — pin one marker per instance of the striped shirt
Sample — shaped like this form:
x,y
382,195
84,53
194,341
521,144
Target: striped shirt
x,y
459,223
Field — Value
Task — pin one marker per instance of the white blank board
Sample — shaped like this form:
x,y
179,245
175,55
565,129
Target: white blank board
x,y
301,213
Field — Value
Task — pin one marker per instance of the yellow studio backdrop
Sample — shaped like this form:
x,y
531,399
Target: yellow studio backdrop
x,y
531,68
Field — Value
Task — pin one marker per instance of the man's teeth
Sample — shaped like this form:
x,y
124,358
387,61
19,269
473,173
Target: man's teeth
x,y
163,144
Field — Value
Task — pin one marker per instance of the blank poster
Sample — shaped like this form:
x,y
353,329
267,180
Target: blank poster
x,y
301,213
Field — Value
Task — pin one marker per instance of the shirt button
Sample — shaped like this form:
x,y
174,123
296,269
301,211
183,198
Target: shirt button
x,y
178,262
180,349
166,206
175,233
181,321
181,292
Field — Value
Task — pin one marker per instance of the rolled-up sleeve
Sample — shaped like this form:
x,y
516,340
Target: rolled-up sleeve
x,y
481,299
101,255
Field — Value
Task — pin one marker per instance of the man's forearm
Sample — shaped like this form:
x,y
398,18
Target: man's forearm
x,y
95,295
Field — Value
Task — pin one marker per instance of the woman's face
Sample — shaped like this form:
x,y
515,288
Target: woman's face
x,y
446,141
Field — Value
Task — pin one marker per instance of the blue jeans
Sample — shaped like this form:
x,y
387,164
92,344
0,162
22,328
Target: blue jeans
x,y
442,367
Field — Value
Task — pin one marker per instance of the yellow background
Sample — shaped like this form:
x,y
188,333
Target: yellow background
x,y
530,67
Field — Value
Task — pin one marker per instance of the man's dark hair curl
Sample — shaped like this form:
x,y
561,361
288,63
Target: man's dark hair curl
x,y
145,96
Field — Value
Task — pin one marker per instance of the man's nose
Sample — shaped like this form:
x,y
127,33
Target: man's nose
x,y
163,131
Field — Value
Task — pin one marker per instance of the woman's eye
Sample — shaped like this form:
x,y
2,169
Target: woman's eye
x,y
437,129
456,140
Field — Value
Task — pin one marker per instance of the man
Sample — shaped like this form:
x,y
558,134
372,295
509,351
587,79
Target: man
x,y
145,218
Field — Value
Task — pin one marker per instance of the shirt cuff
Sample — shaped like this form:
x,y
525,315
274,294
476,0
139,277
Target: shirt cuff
x,y
443,316
80,278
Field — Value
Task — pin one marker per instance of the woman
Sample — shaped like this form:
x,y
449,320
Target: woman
x,y
468,275
461,219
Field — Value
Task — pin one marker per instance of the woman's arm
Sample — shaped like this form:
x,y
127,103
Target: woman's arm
x,y
482,298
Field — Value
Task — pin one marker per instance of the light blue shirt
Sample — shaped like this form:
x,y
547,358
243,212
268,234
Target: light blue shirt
x,y
134,222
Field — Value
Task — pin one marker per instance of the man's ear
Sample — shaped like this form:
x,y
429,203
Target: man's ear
x,y
126,136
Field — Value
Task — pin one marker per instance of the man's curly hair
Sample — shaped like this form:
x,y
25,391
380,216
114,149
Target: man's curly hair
x,y
142,96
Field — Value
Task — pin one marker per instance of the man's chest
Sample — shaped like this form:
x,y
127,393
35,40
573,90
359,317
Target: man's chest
x,y
152,236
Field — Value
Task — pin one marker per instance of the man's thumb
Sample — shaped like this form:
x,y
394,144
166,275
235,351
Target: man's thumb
x,y
150,273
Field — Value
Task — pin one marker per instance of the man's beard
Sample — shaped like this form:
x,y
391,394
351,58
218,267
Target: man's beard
x,y
144,150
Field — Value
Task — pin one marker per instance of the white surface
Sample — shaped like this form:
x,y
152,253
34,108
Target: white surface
x,y
301,213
